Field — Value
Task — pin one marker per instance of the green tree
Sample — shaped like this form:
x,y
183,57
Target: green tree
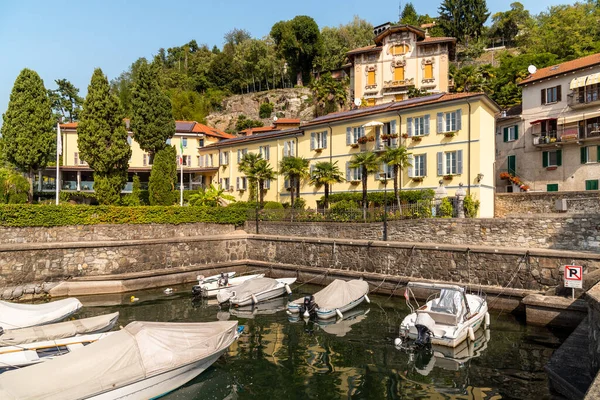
x,y
337,41
329,94
294,169
246,166
27,132
398,158
102,140
463,19
325,174
368,163
211,197
507,25
122,86
244,122
66,101
409,15
299,42
163,177
262,172
13,186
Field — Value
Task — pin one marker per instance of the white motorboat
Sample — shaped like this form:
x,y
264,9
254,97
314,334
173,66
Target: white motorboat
x,y
256,290
341,327
335,299
268,307
144,360
447,318
212,288
60,330
17,315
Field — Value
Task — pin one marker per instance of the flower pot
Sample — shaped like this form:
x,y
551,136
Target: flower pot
x,y
416,138
449,134
448,177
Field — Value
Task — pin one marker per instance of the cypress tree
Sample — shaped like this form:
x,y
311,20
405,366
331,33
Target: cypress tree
x,y
102,140
152,124
28,130
163,178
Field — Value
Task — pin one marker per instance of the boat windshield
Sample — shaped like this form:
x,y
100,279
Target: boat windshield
x,y
450,301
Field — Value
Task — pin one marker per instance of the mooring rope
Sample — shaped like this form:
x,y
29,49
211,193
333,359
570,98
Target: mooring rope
x,y
521,259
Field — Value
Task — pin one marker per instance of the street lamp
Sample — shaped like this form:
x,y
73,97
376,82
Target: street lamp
x,y
383,176
257,205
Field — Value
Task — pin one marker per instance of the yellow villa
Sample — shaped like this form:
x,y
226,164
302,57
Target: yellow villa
x,y
77,176
450,138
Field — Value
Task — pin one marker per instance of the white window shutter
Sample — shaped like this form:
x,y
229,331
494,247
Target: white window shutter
x,y
312,140
426,123
458,119
409,126
393,126
348,136
237,183
285,149
268,152
293,149
440,122
394,142
221,183
378,137
348,178
459,162
440,163
424,164
411,161
324,144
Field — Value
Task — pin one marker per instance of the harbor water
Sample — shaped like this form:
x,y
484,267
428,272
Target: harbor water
x,y
355,358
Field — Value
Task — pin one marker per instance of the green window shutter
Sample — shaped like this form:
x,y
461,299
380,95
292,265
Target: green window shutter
x,y
516,132
558,158
512,165
583,155
506,134
545,159
552,187
591,184
598,153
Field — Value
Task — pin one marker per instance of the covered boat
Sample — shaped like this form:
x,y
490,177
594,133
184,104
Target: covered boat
x,y
335,299
61,330
144,360
212,288
16,315
255,291
446,319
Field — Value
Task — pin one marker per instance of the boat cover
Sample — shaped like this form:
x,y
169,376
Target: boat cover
x,y
136,352
248,288
339,293
60,330
450,302
16,315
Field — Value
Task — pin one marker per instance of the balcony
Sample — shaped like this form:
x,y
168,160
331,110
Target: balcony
x,y
399,84
584,97
564,136
549,138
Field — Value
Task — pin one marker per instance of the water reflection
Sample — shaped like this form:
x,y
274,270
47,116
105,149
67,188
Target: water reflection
x,y
354,359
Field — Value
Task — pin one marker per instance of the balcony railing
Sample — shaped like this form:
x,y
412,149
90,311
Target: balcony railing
x,y
589,97
546,138
566,135
401,83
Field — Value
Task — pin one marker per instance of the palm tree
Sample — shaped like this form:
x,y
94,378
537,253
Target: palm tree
x,y
294,169
399,158
368,162
246,164
211,197
326,174
260,173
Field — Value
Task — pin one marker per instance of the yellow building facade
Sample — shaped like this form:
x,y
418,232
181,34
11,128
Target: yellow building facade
x,y
450,138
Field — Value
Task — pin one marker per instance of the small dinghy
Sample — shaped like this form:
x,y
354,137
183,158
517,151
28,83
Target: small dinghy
x,y
144,360
212,288
338,297
256,290
61,330
446,319
16,315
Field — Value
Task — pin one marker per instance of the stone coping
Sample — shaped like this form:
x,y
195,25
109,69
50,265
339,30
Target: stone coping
x,y
556,302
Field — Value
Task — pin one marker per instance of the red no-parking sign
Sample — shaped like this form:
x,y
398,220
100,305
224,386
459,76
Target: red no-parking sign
x,y
573,276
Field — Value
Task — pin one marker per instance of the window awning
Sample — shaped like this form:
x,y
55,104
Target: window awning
x,y
537,121
585,81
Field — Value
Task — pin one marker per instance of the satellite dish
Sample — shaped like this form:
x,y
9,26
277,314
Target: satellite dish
x,y
532,69
275,119
357,102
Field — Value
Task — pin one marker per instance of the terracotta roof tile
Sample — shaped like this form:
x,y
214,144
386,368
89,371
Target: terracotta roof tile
x,y
69,125
287,121
562,68
250,131
429,40
365,49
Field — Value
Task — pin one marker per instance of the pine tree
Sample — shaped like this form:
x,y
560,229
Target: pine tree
x,y
28,130
409,15
463,19
102,140
163,178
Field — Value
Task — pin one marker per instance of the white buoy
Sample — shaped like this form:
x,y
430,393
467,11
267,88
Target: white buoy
x,y
367,299
287,289
133,299
306,314
254,301
397,342
487,320
487,335
168,290
339,313
471,333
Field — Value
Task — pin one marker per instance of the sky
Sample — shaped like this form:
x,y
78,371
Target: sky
x,y
69,38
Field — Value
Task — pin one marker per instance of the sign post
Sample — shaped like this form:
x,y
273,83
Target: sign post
x,y
573,278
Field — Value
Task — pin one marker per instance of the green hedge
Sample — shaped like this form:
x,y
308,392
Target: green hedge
x,y
377,198
24,215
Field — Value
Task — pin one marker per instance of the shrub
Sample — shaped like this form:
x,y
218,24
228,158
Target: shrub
x,y
376,198
272,211
24,215
244,122
299,203
163,177
273,205
471,206
133,199
265,110
243,205
345,211
446,208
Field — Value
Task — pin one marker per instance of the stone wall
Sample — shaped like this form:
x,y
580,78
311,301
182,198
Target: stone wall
x,y
577,232
515,268
587,202
31,263
93,233
593,300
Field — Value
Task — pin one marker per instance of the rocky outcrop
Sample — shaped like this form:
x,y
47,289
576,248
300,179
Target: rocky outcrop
x,y
287,103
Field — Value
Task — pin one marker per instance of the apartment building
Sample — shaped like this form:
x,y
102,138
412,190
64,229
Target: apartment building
x,y
403,57
555,145
450,137
76,175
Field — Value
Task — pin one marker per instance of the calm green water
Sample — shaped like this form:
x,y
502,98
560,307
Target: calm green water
x,y
279,359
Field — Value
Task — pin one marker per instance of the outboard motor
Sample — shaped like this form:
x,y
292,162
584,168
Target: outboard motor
x,y
309,306
423,336
223,280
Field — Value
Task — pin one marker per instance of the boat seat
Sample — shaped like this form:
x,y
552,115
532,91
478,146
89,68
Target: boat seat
x,y
442,317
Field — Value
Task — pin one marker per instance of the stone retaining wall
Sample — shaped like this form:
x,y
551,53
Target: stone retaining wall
x,y
92,233
587,202
579,232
